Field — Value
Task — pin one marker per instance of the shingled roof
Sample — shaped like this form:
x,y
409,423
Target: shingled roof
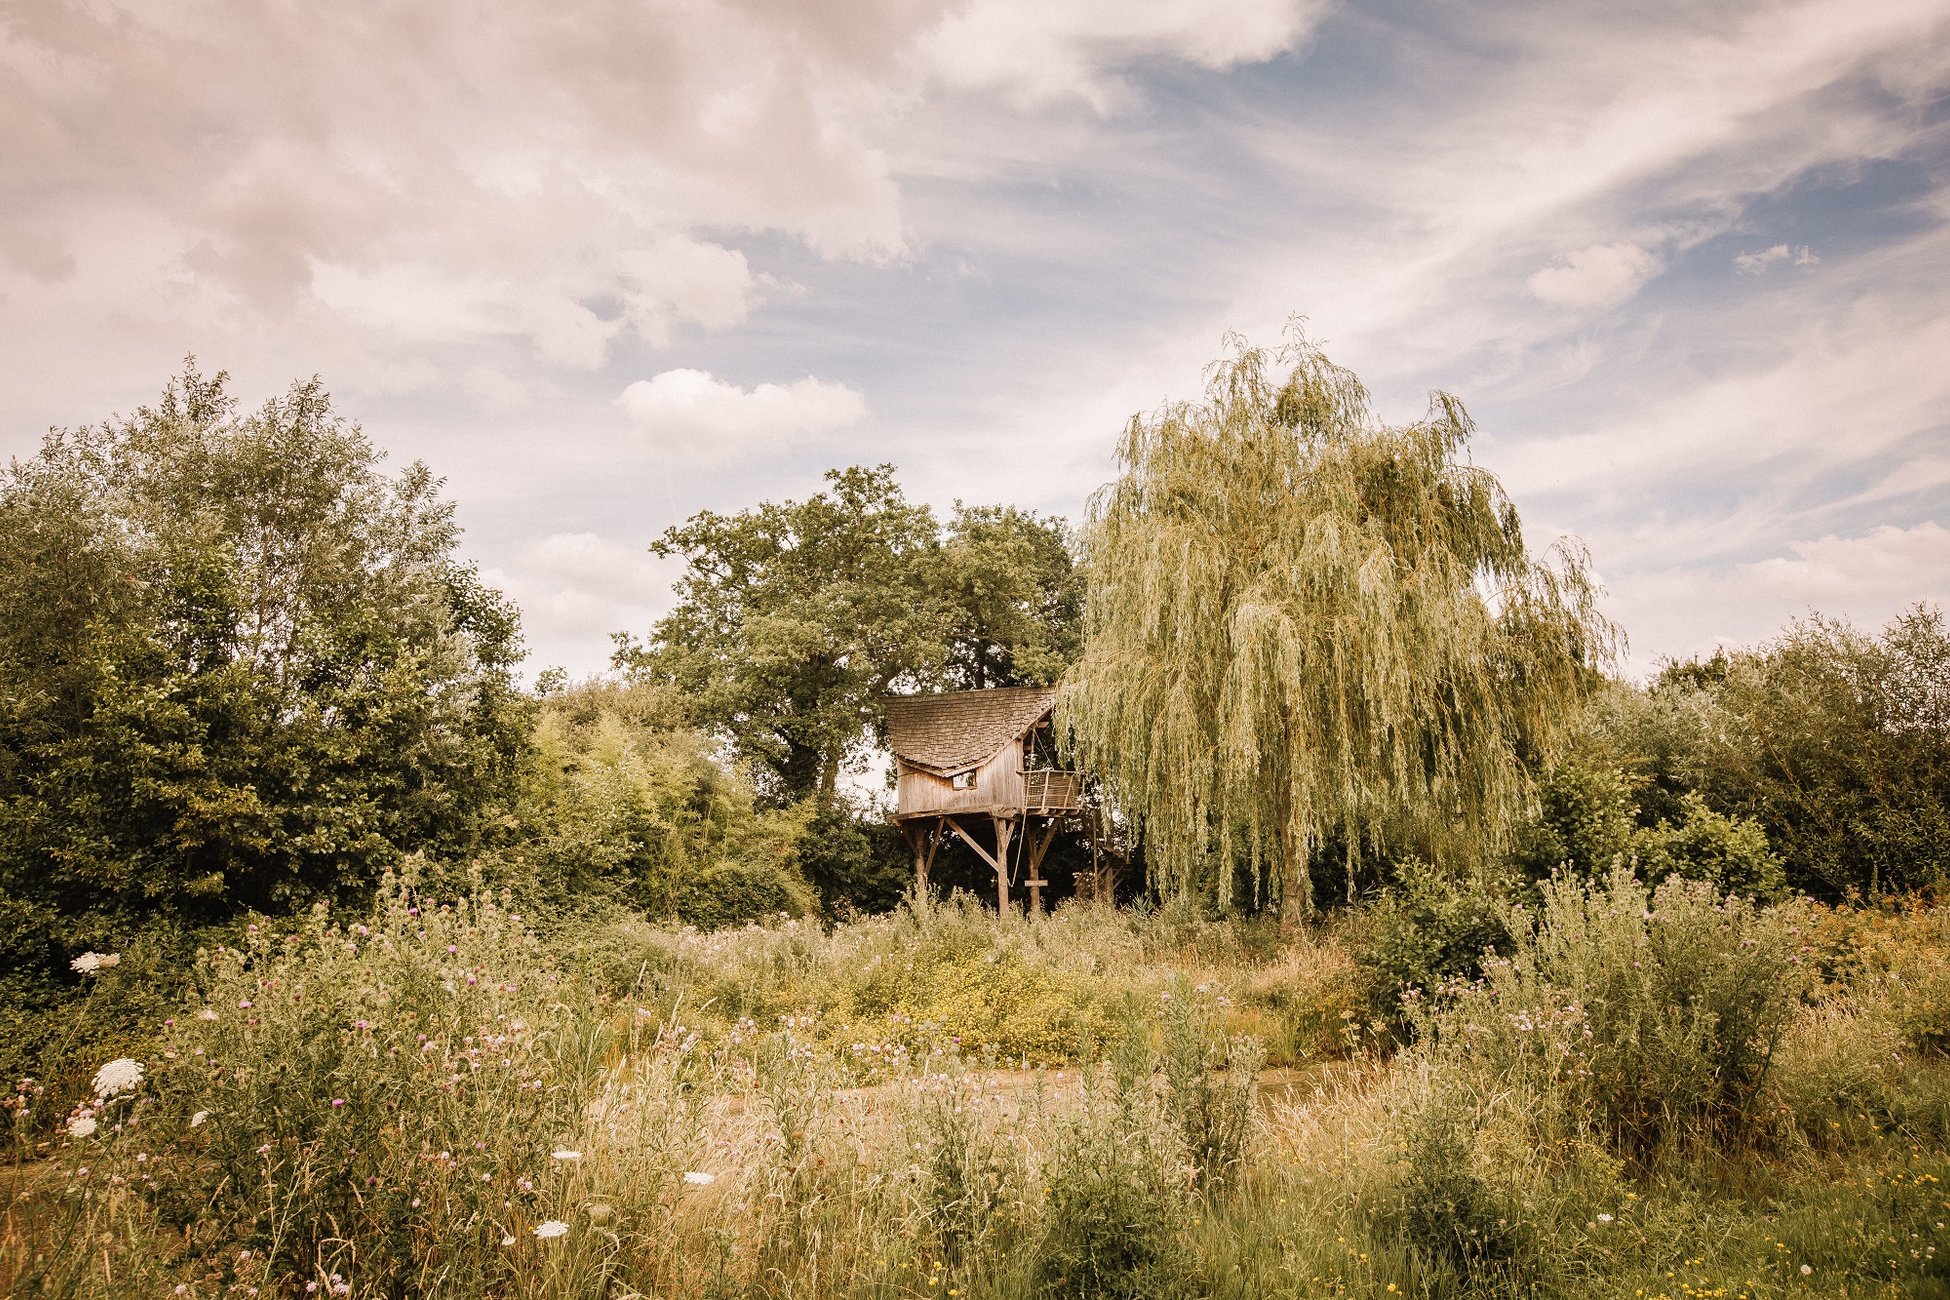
x,y
954,731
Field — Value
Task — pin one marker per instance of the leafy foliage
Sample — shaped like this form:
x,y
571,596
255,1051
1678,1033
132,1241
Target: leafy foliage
x,y
239,668
1587,813
1730,853
1015,598
1449,1211
624,805
1838,744
1210,1085
1118,1196
1427,929
1287,638
855,862
794,618
1645,1018
366,1084
1590,822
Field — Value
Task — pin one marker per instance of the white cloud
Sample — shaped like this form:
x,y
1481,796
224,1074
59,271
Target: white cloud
x,y
1881,570
1754,263
695,415
494,391
1603,275
588,182
575,589
1039,51
685,279
1868,579
1831,398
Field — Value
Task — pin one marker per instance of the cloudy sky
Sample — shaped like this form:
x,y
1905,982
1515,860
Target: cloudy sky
x,y
604,263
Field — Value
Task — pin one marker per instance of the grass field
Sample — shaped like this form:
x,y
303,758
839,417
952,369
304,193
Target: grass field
x,y
1654,1095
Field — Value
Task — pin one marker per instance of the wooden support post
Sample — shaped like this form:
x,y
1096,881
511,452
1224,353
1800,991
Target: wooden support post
x,y
1038,846
999,860
1004,829
922,842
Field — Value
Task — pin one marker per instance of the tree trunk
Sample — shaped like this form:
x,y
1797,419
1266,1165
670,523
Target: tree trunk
x,y
1296,885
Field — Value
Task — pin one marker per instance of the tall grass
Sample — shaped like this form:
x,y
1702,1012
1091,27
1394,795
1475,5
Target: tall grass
x,y
432,1100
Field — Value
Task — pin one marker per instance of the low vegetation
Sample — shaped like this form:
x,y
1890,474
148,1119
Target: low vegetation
x,y
1662,1087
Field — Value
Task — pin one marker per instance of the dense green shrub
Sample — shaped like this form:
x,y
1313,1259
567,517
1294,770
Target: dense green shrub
x,y
1646,1018
1449,1213
1590,819
240,668
856,864
1835,741
1729,853
1585,819
732,893
972,1176
1425,930
624,805
1210,1085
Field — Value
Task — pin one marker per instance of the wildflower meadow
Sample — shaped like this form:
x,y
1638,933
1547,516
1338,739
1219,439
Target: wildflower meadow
x,y
1658,1089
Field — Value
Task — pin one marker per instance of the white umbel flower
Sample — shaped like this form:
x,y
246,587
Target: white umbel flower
x,y
563,1153
90,963
81,1126
117,1077
696,1179
549,1229
196,1120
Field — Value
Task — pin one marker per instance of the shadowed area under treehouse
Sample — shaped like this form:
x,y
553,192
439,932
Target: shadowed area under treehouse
x,y
981,767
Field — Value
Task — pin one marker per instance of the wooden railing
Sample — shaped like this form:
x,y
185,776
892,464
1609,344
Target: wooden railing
x,y
1048,790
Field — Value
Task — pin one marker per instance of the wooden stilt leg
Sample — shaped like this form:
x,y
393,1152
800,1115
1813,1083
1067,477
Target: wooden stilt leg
x,y
918,841
1038,846
1004,828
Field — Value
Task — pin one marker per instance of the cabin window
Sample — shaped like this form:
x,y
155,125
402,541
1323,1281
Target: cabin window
x,y
963,780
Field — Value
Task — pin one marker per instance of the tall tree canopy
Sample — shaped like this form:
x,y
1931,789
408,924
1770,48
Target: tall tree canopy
x,y
795,617
239,667
1015,599
1304,627
1836,741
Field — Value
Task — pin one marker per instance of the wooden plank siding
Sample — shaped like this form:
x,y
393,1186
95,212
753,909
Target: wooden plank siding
x,y
998,789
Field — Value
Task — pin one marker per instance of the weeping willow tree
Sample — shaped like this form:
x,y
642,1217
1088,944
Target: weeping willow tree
x,y
1310,637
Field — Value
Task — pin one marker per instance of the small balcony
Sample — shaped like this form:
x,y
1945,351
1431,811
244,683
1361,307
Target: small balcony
x,y
1047,790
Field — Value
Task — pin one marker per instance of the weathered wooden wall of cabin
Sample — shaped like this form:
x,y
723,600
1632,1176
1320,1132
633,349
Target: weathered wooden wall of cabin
x,y
998,786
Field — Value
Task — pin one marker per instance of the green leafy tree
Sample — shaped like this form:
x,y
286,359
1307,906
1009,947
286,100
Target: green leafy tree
x,y
794,618
1590,820
1015,598
1584,821
1304,627
1837,742
625,803
240,668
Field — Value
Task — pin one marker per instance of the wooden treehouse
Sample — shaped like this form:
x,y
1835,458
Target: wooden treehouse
x,y
969,762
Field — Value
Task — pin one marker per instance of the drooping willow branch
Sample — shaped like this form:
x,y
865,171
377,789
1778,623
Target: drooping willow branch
x,y
1306,627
